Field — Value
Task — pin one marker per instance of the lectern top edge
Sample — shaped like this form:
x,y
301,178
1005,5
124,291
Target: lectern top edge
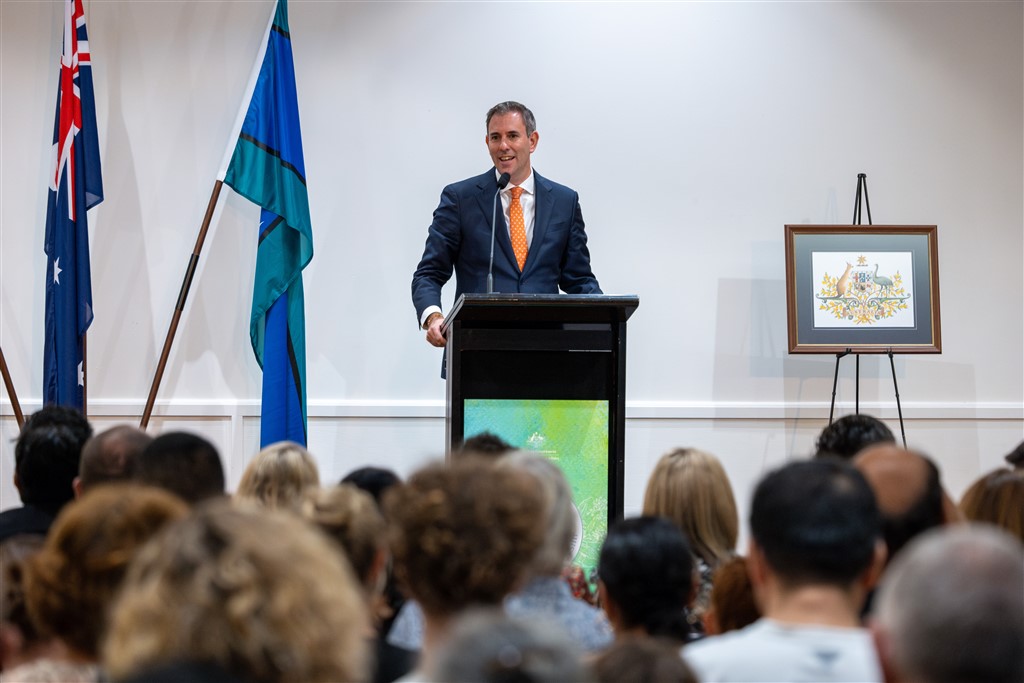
x,y
618,307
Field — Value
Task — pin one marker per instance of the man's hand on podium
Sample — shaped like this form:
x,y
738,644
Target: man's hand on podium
x,y
433,327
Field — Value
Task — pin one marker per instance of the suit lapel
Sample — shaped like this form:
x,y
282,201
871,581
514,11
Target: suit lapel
x,y
488,186
543,208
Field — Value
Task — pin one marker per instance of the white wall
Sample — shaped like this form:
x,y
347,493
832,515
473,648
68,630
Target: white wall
x,y
693,133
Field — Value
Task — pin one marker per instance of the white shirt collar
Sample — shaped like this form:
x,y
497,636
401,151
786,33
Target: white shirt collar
x,y
527,184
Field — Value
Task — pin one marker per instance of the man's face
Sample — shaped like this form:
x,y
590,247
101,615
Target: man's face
x,y
509,145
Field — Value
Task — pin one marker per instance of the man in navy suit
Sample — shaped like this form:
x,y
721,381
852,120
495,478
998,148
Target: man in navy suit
x,y
540,244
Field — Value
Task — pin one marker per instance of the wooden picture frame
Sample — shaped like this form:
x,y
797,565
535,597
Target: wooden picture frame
x,y
862,289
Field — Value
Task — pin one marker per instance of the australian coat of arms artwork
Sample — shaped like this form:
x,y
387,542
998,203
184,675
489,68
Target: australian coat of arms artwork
x,y
863,290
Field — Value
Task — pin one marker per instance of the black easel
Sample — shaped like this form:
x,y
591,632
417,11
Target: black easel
x,y
862,191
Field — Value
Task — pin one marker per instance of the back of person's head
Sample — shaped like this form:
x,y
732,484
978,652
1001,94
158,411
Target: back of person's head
x,y
851,434
733,605
46,466
109,456
18,636
258,593
997,498
71,582
950,608
490,647
816,522
646,576
278,475
352,519
642,660
560,521
184,464
53,415
690,487
484,445
907,489
463,535
373,480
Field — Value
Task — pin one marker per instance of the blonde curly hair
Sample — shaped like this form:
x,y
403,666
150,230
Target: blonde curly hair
x,y
278,475
257,592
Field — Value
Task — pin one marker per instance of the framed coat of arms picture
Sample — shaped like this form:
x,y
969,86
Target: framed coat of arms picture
x,y
862,288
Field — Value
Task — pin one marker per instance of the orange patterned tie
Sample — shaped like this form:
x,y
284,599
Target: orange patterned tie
x,y
517,229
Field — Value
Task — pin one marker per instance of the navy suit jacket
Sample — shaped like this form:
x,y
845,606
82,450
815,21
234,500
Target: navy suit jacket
x,y
459,239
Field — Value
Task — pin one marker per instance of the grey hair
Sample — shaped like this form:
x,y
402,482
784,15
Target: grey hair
x,y
942,606
511,107
490,647
553,553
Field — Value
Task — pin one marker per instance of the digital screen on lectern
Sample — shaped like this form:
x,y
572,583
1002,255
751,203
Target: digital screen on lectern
x,y
572,434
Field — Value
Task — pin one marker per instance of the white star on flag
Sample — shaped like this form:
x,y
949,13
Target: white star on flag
x,y
57,270
81,375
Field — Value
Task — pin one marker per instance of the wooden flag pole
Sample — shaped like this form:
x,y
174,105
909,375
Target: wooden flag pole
x,y
18,415
186,284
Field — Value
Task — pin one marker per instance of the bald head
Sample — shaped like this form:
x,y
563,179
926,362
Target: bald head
x,y
109,455
907,488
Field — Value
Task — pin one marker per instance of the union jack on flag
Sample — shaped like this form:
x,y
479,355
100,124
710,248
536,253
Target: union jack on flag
x,y
75,187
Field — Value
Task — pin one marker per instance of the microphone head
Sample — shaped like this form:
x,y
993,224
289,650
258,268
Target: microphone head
x,y
503,181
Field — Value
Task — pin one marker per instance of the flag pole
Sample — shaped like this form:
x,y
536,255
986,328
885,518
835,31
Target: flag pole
x,y
186,284
18,415
214,196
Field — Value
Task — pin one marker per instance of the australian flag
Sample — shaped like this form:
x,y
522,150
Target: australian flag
x,y
75,187
267,168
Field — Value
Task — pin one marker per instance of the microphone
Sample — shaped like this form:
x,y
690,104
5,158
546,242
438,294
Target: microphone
x,y
502,182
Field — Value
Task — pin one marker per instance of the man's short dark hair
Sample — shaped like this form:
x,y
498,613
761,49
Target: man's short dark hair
x,y
109,455
485,444
511,107
849,435
816,522
46,462
184,464
373,480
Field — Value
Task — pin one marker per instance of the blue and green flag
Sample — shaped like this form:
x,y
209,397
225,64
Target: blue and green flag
x,y
267,168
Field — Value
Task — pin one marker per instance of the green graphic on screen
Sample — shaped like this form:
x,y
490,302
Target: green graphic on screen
x,y
572,434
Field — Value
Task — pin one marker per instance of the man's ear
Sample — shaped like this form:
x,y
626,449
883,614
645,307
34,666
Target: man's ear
x,y
608,605
869,579
883,646
757,565
76,486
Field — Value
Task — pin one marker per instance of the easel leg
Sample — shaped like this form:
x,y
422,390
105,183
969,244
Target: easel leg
x,y
899,408
835,382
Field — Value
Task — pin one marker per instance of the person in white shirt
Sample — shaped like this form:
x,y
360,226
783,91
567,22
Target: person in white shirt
x,y
816,550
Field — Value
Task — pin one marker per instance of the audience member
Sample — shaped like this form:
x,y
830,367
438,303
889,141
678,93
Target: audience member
x,y
546,596
997,498
108,457
373,480
849,435
816,548
20,643
642,660
732,599
462,536
486,646
908,492
185,464
278,476
950,609
351,518
1016,457
690,487
71,582
46,457
646,579
484,444
257,595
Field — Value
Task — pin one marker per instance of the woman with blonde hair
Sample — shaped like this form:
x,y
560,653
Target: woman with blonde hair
x,y
278,476
690,487
239,593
